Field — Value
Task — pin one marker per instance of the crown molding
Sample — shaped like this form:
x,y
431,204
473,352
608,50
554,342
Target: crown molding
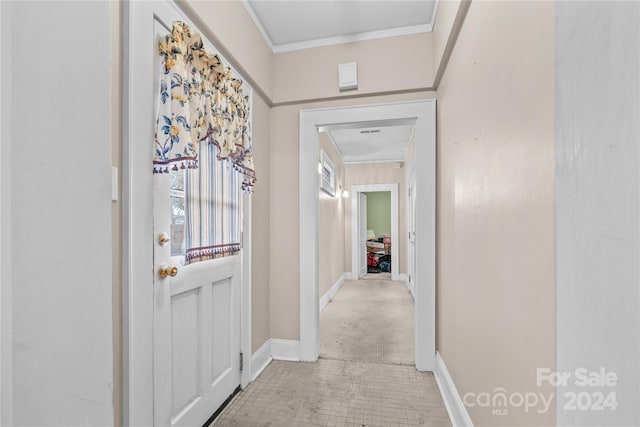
x,y
351,38
258,24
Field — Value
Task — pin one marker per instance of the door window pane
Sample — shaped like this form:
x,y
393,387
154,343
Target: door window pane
x,y
177,212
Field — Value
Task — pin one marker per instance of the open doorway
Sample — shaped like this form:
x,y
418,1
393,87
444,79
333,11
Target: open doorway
x,y
422,114
375,222
381,240
365,317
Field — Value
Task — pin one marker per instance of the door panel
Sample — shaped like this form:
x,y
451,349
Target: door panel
x,y
185,309
196,318
221,302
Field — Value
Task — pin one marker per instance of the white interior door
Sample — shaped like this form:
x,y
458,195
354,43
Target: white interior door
x,y
412,227
362,226
196,314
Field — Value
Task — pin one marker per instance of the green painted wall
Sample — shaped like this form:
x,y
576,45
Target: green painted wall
x,y
379,213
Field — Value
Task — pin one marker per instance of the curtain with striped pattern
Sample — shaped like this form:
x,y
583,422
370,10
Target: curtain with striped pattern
x,y
212,207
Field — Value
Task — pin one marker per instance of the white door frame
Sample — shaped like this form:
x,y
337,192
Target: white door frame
x,y
6,305
424,114
411,252
355,191
137,226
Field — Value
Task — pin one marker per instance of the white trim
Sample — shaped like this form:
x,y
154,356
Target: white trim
x,y
434,13
367,162
355,190
458,414
412,289
274,349
245,285
423,112
261,359
351,38
6,288
3,284
259,25
405,278
406,147
365,125
411,252
332,291
137,202
309,239
285,350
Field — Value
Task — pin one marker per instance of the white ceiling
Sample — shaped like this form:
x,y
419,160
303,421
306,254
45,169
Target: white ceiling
x,y
372,144
299,24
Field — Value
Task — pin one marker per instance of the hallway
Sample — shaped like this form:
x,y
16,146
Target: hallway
x,y
369,321
365,375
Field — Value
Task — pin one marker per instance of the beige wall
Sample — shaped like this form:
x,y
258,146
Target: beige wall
x,y
285,208
232,30
260,233
331,224
389,64
495,277
380,173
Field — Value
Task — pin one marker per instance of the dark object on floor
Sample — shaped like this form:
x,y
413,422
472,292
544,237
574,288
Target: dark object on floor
x,y
385,266
375,260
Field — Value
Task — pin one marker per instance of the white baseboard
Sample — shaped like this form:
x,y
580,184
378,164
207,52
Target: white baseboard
x,y
332,291
273,349
412,289
285,350
455,407
260,359
410,286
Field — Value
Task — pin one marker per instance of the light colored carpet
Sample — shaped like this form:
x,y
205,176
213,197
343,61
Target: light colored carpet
x,y
337,393
369,321
376,276
369,325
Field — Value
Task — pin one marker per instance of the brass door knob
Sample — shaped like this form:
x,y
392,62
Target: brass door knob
x,y
163,239
166,270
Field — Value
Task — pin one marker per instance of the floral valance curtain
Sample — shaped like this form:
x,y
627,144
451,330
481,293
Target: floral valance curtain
x,y
200,100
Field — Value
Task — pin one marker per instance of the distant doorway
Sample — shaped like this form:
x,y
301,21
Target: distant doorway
x,y
378,229
365,240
